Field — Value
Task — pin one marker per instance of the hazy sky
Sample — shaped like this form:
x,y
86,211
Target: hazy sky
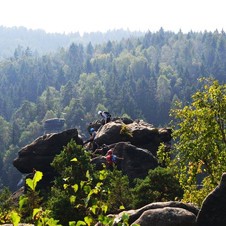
x,y
102,15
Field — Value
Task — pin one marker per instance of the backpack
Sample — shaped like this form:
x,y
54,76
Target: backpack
x,y
108,114
111,159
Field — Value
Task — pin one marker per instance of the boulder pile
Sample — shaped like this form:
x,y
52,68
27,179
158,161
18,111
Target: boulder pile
x,y
137,143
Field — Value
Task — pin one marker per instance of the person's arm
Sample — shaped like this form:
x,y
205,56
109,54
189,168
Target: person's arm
x,y
119,158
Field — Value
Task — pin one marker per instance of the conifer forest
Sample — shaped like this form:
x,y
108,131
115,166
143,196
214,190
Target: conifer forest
x,y
140,77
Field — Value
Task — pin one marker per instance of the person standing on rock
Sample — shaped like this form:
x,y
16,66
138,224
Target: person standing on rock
x,y
105,115
111,159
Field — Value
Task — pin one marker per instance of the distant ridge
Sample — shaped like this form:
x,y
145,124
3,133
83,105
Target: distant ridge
x,y
42,42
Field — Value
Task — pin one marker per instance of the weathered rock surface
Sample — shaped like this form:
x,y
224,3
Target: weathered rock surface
x,y
143,134
136,161
213,210
167,216
15,197
170,213
98,123
137,144
40,153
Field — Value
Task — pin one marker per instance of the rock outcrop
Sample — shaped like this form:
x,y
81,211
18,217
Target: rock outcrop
x,y
162,214
213,210
98,123
41,152
167,216
136,161
138,132
135,141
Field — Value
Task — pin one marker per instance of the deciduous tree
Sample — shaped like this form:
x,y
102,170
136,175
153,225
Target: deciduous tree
x,y
200,135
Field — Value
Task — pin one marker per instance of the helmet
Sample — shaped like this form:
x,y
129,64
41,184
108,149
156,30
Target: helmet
x,y
92,129
110,152
99,112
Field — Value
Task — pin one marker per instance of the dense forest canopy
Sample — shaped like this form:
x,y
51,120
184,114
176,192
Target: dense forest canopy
x,y
140,77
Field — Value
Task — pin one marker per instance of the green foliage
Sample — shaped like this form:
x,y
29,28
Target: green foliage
x,y
125,132
41,218
4,199
5,204
81,195
72,164
32,183
4,133
138,77
200,149
82,203
120,196
31,200
65,165
160,185
15,218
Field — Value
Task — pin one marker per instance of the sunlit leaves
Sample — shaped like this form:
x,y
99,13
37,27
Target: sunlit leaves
x,y
75,187
15,218
199,132
74,160
33,182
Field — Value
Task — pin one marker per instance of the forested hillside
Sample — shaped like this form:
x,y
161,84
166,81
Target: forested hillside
x,y
41,42
139,77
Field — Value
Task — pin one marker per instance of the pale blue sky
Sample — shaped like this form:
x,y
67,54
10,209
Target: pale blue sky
x,y
102,15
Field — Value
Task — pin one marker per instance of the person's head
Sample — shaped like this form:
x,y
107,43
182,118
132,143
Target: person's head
x,y
92,129
99,112
110,152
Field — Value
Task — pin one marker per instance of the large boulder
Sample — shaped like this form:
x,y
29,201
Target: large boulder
x,y
213,210
41,152
139,133
167,216
98,123
136,161
170,213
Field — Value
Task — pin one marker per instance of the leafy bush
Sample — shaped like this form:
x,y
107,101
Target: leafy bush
x,y
159,185
5,204
120,195
78,197
31,200
82,194
71,165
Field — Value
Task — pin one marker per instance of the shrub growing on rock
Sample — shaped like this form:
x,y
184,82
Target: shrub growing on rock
x,y
71,165
160,185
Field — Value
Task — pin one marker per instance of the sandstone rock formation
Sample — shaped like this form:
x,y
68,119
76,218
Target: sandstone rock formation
x,y
136,161
138,132
40,153
213,210
167,216
98,123
162,214
135,141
